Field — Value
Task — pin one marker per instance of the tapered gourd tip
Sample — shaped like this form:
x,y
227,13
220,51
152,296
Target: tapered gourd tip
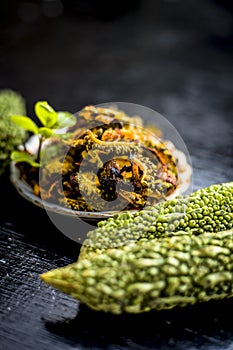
x,y
58,278
49,277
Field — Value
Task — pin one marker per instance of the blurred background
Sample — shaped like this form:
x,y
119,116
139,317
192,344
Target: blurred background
x,y
174,56
163,53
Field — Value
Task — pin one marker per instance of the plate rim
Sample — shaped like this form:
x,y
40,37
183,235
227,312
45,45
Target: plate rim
x,y
26,191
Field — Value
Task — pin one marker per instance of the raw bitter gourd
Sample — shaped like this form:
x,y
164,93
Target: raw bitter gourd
x,y
157,274
11,135
208,209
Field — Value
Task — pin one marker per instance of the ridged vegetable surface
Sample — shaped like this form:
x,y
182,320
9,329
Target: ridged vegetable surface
x,y
157,274
208,209
11,135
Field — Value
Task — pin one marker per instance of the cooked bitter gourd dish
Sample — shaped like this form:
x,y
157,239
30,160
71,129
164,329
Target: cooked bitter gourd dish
x,y
108,155
189,260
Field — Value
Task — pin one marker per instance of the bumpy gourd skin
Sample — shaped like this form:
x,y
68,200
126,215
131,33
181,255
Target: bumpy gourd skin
x,y
206,210
11,135
157,274
153,268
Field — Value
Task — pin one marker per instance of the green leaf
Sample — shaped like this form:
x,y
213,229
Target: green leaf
x,y
64,120
25,122
46,114
19,157
46,132
65,136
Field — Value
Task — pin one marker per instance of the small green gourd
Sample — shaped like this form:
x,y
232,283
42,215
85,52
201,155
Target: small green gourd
x,y
11,135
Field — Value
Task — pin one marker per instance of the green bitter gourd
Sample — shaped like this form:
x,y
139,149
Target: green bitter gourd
x,y
208,209
11,135
157,274
180,265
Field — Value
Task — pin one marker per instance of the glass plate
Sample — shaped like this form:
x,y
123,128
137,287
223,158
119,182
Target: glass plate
x,y
185,175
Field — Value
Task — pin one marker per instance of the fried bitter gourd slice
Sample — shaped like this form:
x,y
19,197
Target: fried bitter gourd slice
x,y
157,274
207,209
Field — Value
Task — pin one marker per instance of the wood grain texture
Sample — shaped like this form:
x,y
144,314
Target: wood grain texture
x,y
172,56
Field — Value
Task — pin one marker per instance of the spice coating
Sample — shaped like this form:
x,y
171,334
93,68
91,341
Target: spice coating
x,y
110,155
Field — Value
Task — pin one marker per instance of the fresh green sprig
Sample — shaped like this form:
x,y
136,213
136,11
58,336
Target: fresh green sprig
x,y
52,122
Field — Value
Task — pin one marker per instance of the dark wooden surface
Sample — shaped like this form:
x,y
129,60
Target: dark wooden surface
x,y
172,56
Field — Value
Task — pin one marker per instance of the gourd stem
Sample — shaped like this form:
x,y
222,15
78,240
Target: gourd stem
x,y
41,139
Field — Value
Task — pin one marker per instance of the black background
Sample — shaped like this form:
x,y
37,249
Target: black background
x,y
172,56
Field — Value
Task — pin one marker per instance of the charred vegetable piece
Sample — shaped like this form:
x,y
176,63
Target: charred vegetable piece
x,y
207,209
111,155
158,274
